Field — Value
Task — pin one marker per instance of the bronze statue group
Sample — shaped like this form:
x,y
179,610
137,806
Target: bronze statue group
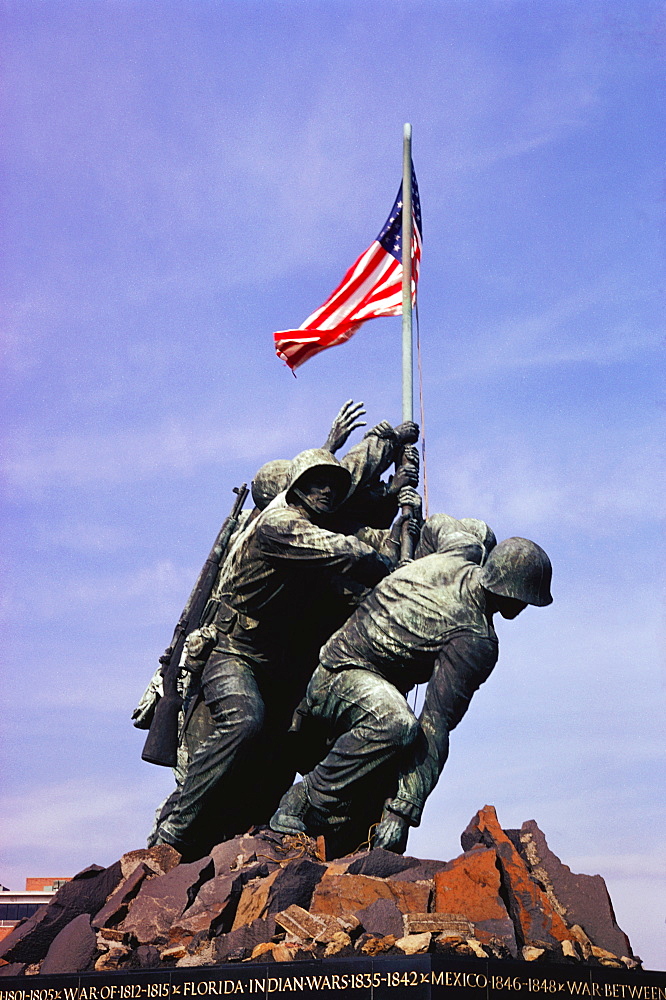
x,y
317,628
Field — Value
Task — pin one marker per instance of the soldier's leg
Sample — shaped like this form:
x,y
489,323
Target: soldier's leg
x,y
371,723
197,730
237,714
464,663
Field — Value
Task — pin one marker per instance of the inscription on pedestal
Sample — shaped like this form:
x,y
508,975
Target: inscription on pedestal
x,y
424,977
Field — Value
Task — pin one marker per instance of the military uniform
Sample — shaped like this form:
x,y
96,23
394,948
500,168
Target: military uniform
x,y
439,533
368,504
431,610
431,619
274,571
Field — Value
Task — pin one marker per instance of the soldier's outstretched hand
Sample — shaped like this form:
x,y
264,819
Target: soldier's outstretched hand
x,y
346,421
391,833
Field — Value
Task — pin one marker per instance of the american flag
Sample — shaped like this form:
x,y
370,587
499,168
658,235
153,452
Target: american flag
x,y
371,287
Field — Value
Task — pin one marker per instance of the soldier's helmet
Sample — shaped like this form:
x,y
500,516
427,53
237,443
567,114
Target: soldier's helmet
x,y
520,569
480,530
271,479
320,459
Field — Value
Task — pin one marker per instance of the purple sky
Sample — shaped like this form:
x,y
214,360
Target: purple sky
x,y
180,179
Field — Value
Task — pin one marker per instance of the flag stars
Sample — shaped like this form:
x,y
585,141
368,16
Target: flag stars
x,y
373,289
390,237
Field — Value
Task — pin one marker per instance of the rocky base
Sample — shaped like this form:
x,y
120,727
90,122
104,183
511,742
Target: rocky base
x,y
263,897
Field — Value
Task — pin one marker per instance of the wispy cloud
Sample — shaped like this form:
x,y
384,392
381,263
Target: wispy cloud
x,y
121,693
131,455
623,866
71,824
482,159
212,436
86,537
578,328
153,587
591,488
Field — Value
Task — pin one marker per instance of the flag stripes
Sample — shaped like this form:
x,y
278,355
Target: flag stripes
x,y
372,287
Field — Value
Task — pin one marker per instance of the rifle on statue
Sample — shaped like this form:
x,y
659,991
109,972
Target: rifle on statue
x,y
162,740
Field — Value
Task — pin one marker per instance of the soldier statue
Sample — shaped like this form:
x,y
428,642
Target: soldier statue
x,y
378,503
270,588
430,620
311,604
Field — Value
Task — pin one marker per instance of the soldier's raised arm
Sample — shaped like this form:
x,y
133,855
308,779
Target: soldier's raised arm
x,y
379,448
346,421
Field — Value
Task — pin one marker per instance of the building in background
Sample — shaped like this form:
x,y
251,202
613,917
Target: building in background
x,y
16,906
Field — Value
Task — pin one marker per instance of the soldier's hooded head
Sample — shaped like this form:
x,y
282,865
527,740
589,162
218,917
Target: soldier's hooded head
x,y
480,530
318,482
518,572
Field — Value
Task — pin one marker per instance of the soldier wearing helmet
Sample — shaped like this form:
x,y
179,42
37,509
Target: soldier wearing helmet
x,y
519,571
269,480
273,477
369,501
431,620
251,682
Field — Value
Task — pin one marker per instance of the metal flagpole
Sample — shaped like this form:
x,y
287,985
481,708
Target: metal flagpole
x,y
406,543
407,353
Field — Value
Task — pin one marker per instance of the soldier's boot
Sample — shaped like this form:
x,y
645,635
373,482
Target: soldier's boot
x,y
296,814
291,813
188,852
